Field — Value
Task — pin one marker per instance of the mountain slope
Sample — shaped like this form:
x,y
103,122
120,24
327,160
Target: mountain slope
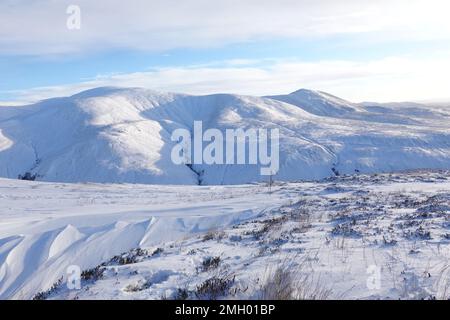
x,y
318,103
123,135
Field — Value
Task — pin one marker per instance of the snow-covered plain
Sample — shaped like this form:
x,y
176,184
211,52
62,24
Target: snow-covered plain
x,y
330,233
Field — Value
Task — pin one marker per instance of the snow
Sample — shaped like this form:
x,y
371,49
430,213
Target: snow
x,y
319,103
46,227
335,230
118,135
108,198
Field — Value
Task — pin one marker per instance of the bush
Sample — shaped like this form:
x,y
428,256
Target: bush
x,y
268,225
215,287
129,257
210,263
214,235
43,295
346,230
181,294
93,274
420,234
139,286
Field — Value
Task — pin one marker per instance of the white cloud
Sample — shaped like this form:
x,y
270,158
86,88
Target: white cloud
x,y
39,27
389,79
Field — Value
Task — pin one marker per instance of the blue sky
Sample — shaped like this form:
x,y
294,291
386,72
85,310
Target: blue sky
x,y
355,49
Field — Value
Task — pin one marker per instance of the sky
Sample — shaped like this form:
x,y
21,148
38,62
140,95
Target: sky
x,y
385,50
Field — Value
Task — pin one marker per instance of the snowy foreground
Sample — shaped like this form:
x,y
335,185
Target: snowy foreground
x,y
323,240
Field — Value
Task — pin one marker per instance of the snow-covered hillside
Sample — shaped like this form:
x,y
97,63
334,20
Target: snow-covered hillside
x,y
123,135
319,103
153,242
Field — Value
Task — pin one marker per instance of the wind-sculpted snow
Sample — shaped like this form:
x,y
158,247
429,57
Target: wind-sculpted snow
x,y
45,228
124,135
149,242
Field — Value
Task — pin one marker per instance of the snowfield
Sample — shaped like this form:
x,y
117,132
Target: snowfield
x,y
118,135
384,236
88,181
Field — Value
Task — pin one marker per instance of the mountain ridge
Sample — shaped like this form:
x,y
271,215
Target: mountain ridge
x,y
112,134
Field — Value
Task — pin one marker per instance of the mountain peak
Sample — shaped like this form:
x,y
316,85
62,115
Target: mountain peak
x,y
305,91
318,102
98,91
317,94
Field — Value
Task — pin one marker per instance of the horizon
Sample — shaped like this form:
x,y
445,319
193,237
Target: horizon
x,y
17,103
356,50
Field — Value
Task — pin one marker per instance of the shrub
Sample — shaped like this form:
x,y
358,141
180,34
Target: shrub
x,y
93,274
210,263
181,294
268,225
214,235
420,233
346,229
43,295
139,286
215,287
129,257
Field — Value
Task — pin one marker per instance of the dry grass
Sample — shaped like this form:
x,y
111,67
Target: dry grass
x,y
443,284
289,282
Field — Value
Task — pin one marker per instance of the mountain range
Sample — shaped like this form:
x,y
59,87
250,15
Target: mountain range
x,y
123,135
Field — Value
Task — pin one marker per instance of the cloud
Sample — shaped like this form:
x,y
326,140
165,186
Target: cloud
x,y
392,78
39,27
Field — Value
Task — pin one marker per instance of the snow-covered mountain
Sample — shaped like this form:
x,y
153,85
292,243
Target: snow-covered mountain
x,y
123,135
319,103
